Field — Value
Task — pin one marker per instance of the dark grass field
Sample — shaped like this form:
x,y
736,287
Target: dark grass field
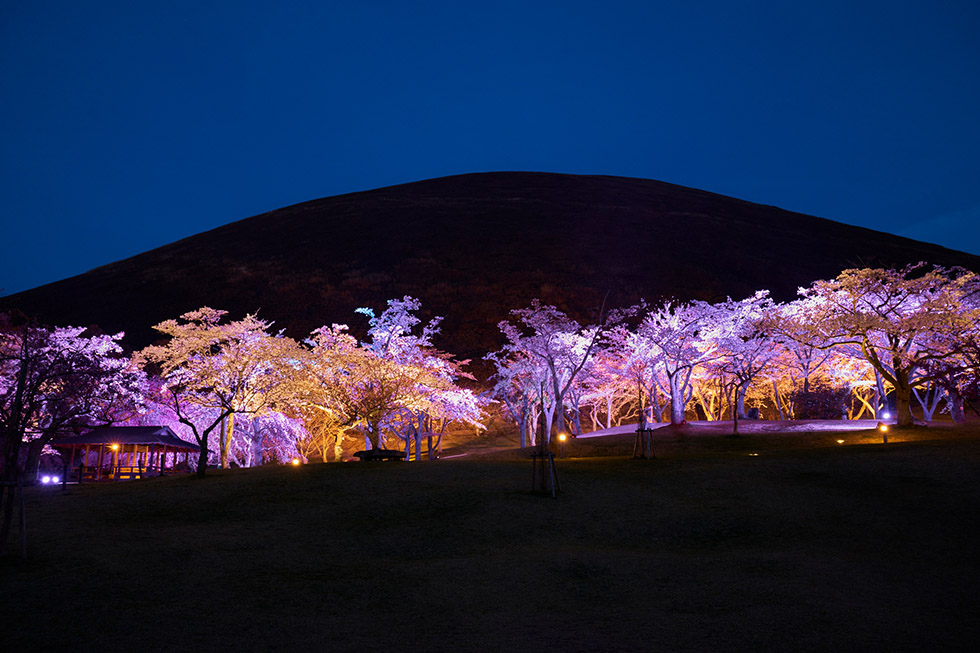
x,y
858,547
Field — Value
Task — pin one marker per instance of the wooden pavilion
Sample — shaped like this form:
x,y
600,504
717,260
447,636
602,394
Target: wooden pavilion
x,y
114,453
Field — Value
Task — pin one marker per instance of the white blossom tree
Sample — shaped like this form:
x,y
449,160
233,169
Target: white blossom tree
x,y
561,347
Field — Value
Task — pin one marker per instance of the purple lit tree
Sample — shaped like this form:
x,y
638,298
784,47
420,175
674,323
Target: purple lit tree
x,y
560,348
680,339
52,381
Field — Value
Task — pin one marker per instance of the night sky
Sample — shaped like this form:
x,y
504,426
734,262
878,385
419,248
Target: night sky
x,y
128,125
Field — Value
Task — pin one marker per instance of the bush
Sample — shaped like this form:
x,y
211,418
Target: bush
x,y
821,402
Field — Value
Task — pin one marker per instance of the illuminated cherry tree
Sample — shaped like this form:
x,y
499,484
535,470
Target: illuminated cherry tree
x,y
225,369
560,348
516,384
679,339
395,382
52,382
901,320
746,348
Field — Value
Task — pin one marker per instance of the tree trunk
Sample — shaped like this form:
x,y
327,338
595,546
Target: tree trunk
x,y
954,401
903,398
779,403
7,493
880,397
34,450
227,431
202,459
676,400
740,391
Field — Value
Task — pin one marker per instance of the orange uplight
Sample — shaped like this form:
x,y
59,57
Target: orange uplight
x,y
561,436
883,428
840,442
295,461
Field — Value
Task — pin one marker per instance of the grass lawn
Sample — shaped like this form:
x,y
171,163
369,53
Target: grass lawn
x,y
862,547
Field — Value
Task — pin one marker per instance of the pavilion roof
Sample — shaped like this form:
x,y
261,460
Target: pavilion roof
x,y
159,435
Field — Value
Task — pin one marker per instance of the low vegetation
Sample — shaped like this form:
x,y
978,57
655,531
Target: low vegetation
x,y
803,547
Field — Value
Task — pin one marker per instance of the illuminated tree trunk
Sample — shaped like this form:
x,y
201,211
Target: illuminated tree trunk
x,y
740,391
779,403
227,430
338,446
903,398
678,398
954,401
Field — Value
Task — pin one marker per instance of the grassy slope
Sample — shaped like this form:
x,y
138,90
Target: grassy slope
x,y
863,547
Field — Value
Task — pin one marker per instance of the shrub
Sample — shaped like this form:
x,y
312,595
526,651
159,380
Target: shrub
x,y
820,402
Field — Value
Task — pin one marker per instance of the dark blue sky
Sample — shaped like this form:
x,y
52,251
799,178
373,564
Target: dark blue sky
x,y
128,125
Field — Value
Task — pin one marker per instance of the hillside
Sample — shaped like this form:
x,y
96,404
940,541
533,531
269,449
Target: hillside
x,y
472,247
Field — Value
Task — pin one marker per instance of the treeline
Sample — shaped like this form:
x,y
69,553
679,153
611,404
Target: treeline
x,y
836,352
249,395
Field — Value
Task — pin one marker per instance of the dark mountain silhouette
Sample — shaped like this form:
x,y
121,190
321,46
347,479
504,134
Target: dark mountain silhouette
x,y
472,247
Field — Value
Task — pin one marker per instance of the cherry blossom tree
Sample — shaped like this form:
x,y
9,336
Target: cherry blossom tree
x,y
901,320
559,344
396,381
746,347
681,338
52,381
230,368
516,385
268,437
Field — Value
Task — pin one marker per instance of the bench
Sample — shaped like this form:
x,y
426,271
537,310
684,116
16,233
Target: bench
x,y
380,454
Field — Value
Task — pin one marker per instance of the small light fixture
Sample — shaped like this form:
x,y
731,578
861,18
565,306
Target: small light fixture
x,y
45,479
115,447
840,442
295,461
882,427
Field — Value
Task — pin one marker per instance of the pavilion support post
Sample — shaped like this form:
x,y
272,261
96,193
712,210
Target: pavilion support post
x,y
98,473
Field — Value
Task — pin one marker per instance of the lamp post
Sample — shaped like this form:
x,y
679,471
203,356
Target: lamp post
x,y
562,438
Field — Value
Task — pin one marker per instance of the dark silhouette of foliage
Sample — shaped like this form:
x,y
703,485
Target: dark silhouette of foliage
x,y
820,402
